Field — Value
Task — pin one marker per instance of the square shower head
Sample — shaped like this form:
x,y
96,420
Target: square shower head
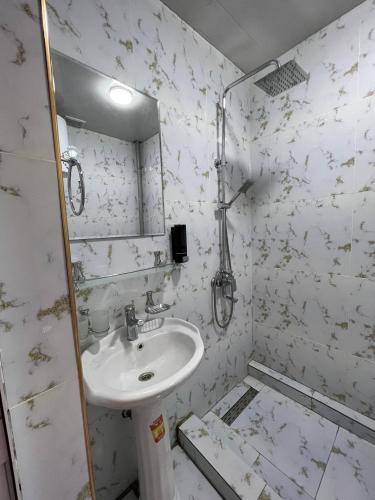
x,y
282,79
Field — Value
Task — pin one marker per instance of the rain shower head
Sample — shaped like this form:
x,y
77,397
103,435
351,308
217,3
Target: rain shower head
x,y
243,189
283,78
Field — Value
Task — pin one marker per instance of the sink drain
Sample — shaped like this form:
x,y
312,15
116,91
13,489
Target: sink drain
x,y
143,377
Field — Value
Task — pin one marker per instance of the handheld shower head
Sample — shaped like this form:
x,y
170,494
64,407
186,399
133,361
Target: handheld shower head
x,y
243,189
246,186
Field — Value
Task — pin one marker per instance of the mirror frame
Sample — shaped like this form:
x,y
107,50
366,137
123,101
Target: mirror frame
x,y
117,236
66,242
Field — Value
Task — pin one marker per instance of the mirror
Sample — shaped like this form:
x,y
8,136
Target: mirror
x,y
110,147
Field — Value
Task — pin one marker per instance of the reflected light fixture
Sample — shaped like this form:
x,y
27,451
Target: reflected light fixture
x,y
72,152
120,95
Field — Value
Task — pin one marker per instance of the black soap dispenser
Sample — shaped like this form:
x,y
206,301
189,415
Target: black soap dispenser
x,y
179,245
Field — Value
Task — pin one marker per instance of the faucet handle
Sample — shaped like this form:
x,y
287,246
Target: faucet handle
x,y
130,315
130,309
84,311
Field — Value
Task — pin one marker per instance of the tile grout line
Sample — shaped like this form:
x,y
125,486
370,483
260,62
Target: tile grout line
x,y
44,392
206,462
310,120
275,466
365,360
24,156
329,456
344,415
269,461
285,475
313,399
312,272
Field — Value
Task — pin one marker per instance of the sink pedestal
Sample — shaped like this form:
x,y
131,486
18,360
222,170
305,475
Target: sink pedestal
x,y
138,375
155,469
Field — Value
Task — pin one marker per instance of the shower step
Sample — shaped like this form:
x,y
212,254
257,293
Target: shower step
x,y
351,420
228,469
275,480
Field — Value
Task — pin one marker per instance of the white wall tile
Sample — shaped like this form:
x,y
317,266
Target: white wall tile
x,y
50,449
25,127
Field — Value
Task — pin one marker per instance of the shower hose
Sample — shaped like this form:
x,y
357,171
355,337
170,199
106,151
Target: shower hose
x,y
81,184
221,281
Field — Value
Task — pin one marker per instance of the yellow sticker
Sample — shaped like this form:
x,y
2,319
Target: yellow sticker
x,y
157,428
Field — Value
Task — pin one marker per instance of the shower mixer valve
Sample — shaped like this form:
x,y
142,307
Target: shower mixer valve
x,y
223,279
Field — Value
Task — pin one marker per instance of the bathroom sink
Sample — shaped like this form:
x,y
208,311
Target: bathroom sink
x,y
120,374
137,375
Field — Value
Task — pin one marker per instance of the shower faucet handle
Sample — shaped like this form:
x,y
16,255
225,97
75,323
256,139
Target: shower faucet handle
x,y
232,299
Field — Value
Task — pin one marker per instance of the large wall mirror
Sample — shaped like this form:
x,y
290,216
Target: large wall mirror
x,y
109,138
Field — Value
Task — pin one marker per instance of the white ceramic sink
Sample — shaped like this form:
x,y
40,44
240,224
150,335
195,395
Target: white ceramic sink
x,y
120,374
137,375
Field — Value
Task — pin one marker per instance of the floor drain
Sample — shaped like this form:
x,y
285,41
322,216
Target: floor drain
x,y
239,407
143,377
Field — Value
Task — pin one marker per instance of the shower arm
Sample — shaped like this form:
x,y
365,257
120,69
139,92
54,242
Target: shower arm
x,y
222,162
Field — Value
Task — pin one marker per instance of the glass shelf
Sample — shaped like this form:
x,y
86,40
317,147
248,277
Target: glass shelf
x,y
114,278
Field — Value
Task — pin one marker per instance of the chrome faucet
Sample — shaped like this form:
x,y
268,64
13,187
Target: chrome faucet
x,y
132,323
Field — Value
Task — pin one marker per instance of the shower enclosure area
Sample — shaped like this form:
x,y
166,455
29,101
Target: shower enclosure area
x,y
312,201
301,424
223,284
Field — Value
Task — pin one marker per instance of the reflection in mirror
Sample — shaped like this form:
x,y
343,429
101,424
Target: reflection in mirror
x,y
109,139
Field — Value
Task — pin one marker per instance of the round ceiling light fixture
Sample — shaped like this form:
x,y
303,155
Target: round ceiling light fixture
x,y
72,152
120,95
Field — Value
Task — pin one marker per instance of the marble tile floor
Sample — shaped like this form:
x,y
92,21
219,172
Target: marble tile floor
x,y
191,483
296,452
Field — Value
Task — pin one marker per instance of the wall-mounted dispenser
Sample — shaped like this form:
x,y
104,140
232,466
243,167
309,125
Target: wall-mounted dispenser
x,y
179,245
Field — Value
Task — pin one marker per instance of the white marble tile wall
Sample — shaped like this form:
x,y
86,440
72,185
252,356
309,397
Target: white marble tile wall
x,y
312,157
152,188
36,342
111,185
143,44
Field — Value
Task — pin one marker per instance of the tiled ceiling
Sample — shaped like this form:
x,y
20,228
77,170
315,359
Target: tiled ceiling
x,y
249,32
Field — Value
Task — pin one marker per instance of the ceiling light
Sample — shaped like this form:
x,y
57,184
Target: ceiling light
x,y
120,95
72,152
